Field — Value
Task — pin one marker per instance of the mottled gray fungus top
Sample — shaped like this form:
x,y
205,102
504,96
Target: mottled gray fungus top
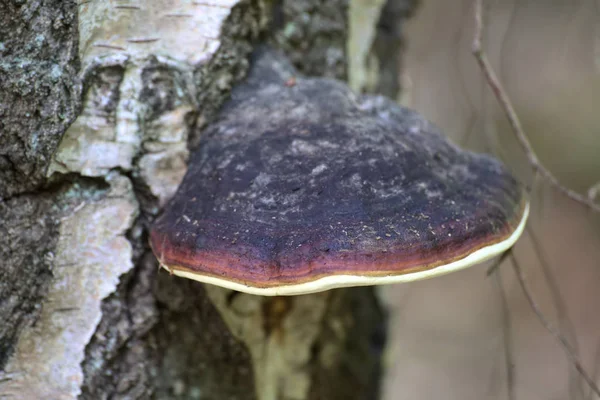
x,y
301,186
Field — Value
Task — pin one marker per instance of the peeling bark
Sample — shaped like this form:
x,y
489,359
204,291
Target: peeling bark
x,y
47,358
29,230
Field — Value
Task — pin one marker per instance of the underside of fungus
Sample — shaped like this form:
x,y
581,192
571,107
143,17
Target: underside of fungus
x,y
306,187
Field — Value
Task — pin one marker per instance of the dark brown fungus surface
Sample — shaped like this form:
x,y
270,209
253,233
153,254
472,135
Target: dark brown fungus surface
x,y
303,188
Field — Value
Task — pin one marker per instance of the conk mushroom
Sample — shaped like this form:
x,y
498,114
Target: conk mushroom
x,y
303,188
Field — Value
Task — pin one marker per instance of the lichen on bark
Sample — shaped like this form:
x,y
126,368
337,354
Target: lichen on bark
x,y
39,88
313,35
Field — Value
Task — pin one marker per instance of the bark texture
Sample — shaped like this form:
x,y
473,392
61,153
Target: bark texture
x,y
313,35
38,100
152,335
38,87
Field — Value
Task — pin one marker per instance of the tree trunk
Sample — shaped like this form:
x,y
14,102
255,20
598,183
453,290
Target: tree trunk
x,y
100,104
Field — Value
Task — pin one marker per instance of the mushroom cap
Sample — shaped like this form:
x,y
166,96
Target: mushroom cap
x,y
306,188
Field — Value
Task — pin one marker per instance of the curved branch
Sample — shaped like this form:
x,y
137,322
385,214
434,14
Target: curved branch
x,y
513,119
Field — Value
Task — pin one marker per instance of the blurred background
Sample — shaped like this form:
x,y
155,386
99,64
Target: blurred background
x,y
466,335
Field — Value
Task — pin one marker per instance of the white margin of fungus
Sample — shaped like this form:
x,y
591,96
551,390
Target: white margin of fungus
x,y
337,281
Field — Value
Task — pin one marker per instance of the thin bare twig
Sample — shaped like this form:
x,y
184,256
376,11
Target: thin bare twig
x,y
563,322
562,340
513,119
508,358
538,168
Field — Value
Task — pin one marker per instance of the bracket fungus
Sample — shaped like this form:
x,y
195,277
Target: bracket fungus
x,y
302,188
